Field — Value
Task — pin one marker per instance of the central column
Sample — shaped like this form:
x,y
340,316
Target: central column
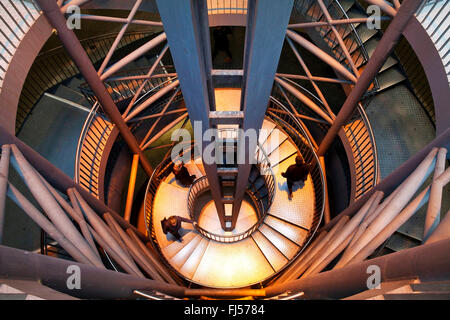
x,y
186,26
267,21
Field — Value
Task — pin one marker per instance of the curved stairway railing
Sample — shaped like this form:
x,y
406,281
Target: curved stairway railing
x,y
97,130
54,66
91,144
312,11
163,170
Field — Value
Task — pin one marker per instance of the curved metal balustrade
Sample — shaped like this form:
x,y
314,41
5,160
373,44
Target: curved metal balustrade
x,y
312,11
97,130
365,157
201,185
91,144
55,66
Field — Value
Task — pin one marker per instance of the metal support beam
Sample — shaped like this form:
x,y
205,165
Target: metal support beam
x,y
388,184
59,179
131,185
266,28
84,64
186,26
381,53
429,262
95,283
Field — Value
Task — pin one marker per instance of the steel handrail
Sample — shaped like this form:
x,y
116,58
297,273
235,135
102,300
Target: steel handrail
x,y
86,129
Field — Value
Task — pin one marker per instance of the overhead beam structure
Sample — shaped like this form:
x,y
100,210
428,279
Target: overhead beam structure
x,y
186,26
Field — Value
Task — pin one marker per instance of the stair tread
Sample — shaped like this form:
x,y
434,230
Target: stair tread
x,y
370,46
181,256
287,247
274,140
266,129
175,246
384,287
164,207
399,242
294,233
389,78
285,150
232,265
346,4
209,220
190,266
273,255
71,95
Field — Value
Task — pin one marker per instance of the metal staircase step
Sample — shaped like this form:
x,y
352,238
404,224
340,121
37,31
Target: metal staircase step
x,y
176,246
434,286
265,131
389,78
286,150
181,256
227,171
191,264
365,33
282,243
289,230
384,288
232,265
355,12
399,242
276,259
370,46
346,4
276,138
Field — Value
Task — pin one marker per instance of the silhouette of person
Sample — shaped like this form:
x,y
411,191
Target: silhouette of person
x,y
173,225
296,172
221,43
182,174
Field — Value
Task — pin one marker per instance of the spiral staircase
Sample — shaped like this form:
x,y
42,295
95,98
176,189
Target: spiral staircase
x,y
107,220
